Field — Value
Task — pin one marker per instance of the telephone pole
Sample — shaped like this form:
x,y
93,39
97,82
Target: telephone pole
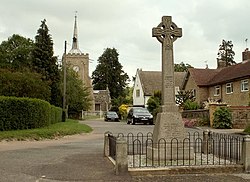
x,y
64,83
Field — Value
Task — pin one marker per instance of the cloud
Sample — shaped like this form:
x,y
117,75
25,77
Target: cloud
x,y
127,26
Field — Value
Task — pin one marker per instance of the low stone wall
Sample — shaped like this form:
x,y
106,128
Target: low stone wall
x,y
241,116
200,113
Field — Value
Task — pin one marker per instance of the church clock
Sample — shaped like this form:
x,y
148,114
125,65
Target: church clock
x,y
76,68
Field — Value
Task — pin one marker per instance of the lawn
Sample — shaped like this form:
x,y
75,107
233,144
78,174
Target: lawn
x,y
70,127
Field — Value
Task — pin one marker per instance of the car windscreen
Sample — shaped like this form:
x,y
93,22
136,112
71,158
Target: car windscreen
x,y
111,114
141,110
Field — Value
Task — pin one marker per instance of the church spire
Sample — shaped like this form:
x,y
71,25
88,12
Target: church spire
x,y
75,49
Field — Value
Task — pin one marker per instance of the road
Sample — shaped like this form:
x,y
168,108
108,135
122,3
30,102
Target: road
x,y
77,158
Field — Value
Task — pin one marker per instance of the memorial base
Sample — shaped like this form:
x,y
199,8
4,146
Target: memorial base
x,y
170,140
167,154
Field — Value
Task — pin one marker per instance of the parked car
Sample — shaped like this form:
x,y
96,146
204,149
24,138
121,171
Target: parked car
x,y
111,116
139,115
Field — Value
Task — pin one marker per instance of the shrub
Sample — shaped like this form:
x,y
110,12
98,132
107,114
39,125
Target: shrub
x,y
204,121
123,111
26,113
190,105
222,118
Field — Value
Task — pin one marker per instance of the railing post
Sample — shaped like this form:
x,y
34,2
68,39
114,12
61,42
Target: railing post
x,y
205,144
246,153
106,143
121,165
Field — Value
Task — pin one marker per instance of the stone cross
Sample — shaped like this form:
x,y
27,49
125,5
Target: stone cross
x,y
166,33
169,123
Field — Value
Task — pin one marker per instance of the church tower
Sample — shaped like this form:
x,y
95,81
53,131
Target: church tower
x,y
80,62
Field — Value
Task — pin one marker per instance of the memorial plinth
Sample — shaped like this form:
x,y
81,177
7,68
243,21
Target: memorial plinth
x,y
169,126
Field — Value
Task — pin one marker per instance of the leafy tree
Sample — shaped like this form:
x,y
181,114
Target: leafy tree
x,y
109,73
77,94
226,52
181,67
184,96
154,103
23,84
45,63
15,53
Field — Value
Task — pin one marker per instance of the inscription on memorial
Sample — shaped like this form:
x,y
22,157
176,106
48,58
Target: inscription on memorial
x,y
168,82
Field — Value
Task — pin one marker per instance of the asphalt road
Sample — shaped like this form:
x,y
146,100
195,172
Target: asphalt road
x,y
79,158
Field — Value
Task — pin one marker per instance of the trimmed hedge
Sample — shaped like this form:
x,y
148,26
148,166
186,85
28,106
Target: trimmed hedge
x,y
26,113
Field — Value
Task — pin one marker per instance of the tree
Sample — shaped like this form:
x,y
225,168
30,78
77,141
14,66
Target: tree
x,y
109,73
15,53
45,63
23,84
186,100
77,94
181,67
154,103
226,52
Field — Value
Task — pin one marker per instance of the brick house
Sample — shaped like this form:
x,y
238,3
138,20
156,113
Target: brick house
x,y
226,84
146,82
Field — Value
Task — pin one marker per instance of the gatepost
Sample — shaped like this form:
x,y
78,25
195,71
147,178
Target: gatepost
x,y
121,161
106,143
246,153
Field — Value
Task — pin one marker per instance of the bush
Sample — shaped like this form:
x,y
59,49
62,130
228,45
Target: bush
x,y
204,121
26,113
23,84
123,111
222,118
190,105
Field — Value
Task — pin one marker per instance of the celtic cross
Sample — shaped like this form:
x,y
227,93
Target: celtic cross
x,y
166,33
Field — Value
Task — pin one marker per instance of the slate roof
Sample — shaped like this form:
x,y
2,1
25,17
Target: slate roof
x,y
210,77
151,80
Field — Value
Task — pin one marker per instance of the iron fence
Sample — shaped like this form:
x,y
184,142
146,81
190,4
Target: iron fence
x,y
195,150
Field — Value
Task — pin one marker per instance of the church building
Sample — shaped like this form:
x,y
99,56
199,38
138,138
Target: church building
x,y
79,62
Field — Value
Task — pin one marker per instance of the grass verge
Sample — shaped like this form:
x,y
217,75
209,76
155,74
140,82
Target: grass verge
x,y
70,127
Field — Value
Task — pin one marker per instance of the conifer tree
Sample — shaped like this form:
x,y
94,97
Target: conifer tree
x,y
226,52
109,73
45,63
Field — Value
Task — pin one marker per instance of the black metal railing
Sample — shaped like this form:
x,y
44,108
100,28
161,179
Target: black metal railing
x,y
194,150
112,146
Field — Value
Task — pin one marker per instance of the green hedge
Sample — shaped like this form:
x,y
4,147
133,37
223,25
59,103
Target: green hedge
x,y
26,113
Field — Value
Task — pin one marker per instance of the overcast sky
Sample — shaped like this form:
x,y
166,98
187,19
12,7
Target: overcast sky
x,y
127,26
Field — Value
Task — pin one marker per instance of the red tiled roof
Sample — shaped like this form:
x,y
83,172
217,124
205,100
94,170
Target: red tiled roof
x,y
202,76
230,73
209,77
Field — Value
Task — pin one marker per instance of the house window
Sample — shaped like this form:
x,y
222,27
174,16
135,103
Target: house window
x,y
138,93
229,88
216,90
244,85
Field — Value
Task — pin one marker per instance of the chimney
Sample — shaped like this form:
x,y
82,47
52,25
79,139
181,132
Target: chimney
x,y
221,64
246,55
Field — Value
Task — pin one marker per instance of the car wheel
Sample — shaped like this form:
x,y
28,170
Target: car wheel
x,y
128,121
151,122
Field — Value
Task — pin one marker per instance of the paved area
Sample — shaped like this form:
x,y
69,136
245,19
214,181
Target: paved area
x,y
80,158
